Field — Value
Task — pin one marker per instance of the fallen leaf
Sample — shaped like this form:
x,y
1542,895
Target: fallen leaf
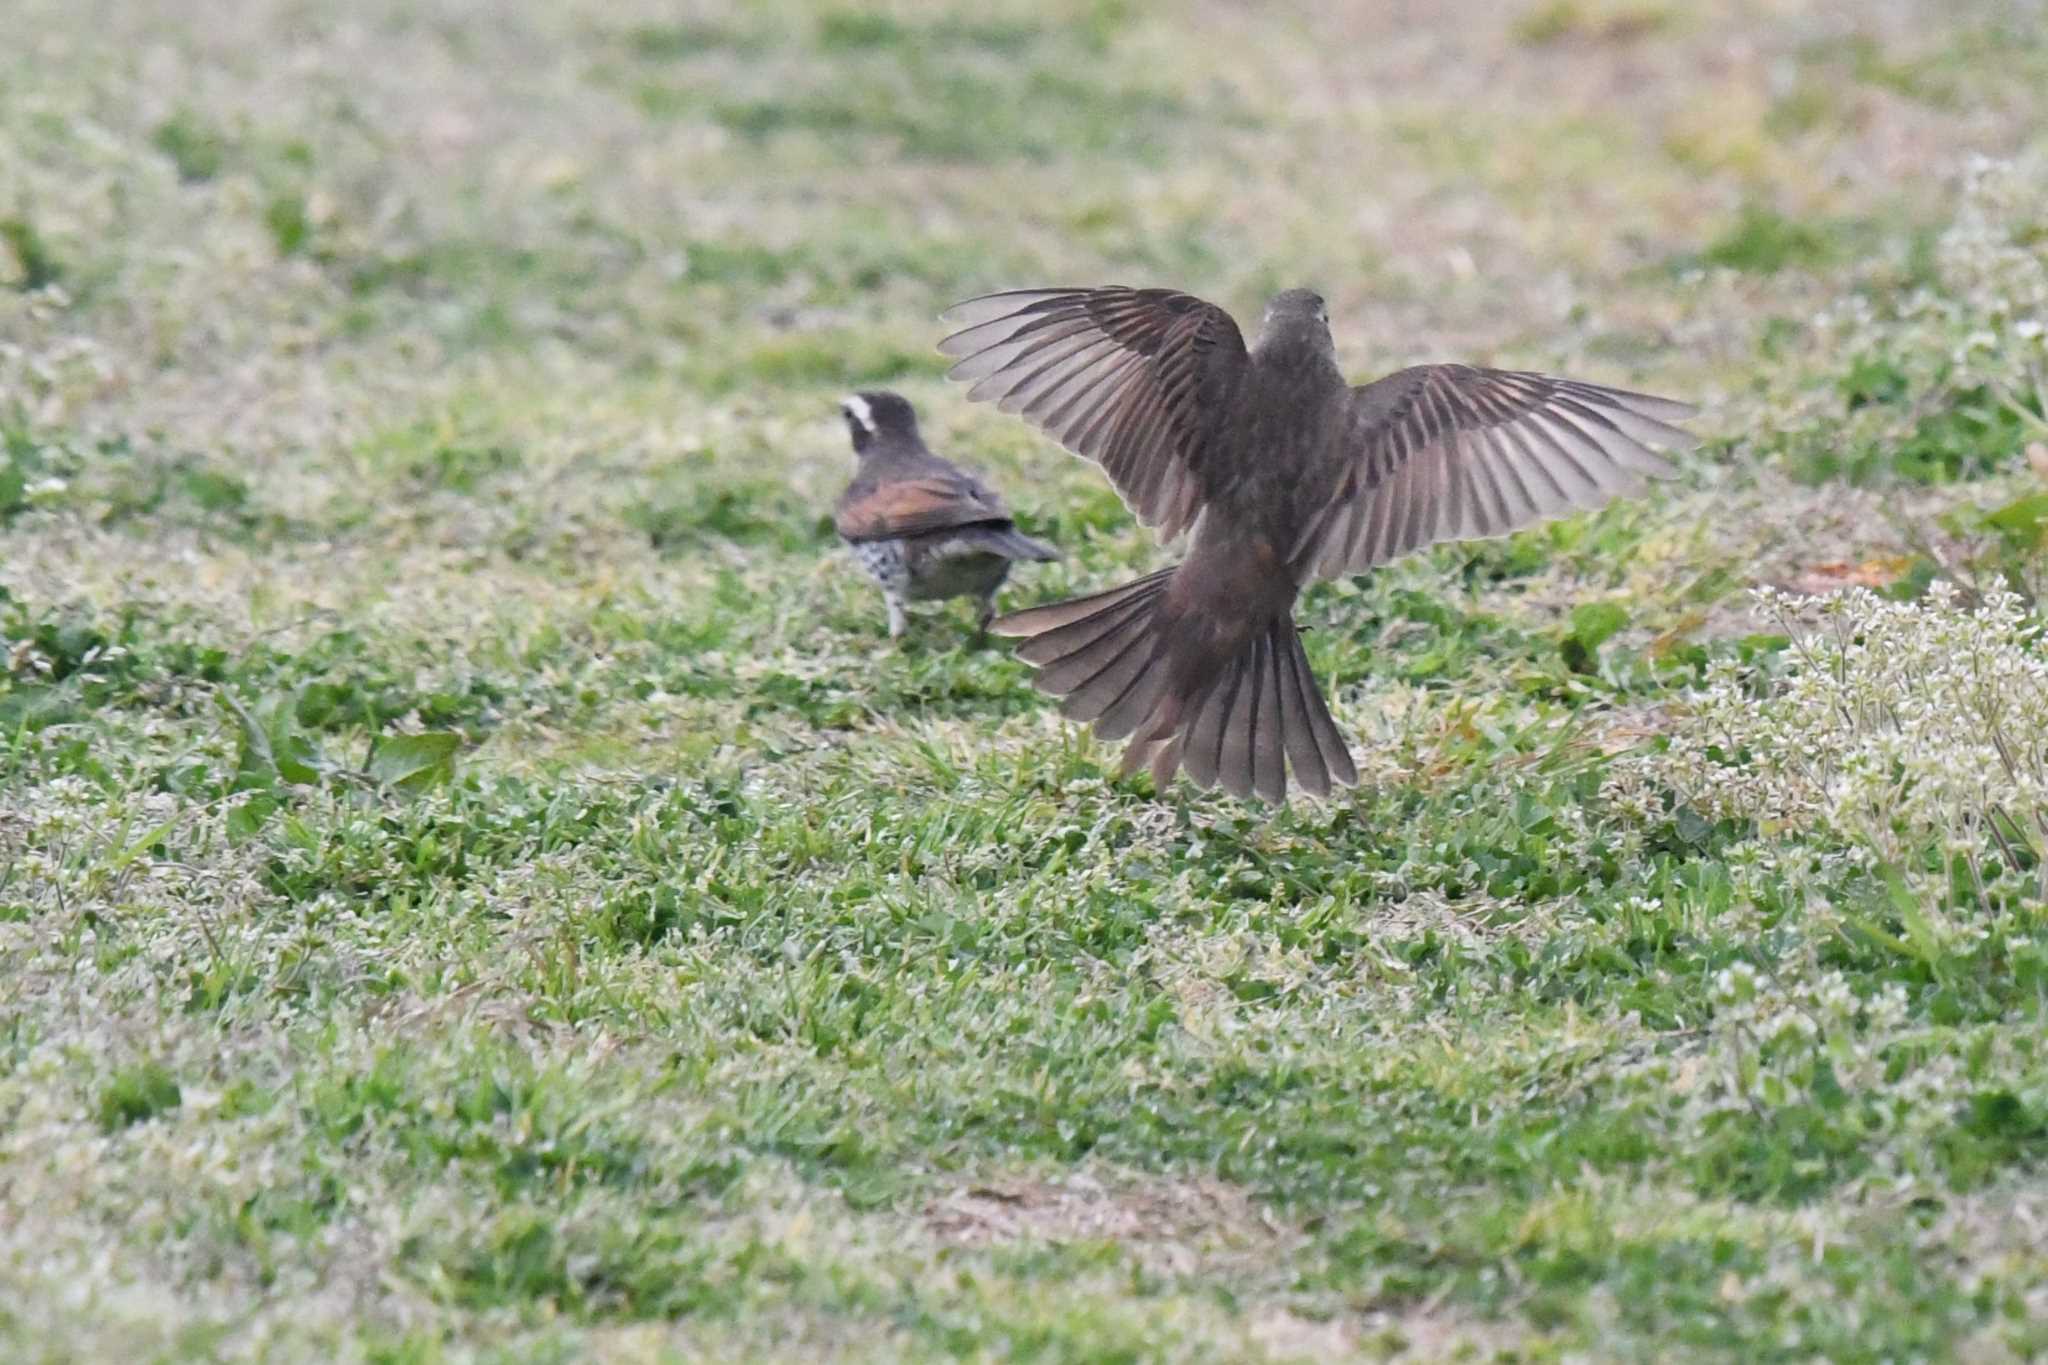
x,y
1818,579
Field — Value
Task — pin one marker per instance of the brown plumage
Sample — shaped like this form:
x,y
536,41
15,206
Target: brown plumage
x,y
1286,474
922,527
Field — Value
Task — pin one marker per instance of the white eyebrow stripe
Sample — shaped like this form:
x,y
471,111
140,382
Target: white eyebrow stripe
x,y
857,408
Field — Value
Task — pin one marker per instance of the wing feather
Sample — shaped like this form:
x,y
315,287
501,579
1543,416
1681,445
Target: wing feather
x,y
1137,380
907,507
1447,451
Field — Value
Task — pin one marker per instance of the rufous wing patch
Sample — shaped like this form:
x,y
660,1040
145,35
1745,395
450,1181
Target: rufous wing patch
x,y
914,506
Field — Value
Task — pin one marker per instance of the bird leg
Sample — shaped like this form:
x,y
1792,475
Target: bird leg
x,y
983,617
899,620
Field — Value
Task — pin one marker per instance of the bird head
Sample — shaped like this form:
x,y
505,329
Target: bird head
x,y
1296,317
877,415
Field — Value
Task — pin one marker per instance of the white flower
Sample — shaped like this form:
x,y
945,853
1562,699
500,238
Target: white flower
x,y
1904,729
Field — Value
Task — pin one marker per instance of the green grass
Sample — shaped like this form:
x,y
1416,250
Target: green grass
x,y
35,264
1764,242
198,152
477,882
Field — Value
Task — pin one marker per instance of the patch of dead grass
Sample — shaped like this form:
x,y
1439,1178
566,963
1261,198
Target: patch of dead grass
x,y
1173,1218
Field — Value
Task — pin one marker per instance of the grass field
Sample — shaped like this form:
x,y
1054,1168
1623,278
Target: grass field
x,y
477,882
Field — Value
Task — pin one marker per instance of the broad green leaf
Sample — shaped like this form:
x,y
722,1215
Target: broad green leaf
x,y
415,762
2021,518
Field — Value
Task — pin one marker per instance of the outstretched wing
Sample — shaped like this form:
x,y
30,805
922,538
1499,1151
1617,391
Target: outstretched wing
x,y
908,507
1454,452
1137,380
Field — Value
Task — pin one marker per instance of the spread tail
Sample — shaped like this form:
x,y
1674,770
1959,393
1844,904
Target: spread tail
x,y
1239,720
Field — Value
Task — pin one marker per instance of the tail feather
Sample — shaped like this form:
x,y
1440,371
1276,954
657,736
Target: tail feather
x,y
1112,657
1139,700
1269,741
1205,733
1241,760
1300,705
1034,621
1330,746
1061,641
1165,759
1006,541
1099,652
1096,677
1089,659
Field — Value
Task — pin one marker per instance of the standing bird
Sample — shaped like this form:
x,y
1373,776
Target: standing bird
x,y
1287,474
922,527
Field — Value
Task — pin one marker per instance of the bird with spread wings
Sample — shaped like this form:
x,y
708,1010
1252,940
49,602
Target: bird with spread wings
x,y
1285,473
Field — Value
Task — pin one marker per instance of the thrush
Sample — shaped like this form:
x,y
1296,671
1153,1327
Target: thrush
x,y
922,527
1286,474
